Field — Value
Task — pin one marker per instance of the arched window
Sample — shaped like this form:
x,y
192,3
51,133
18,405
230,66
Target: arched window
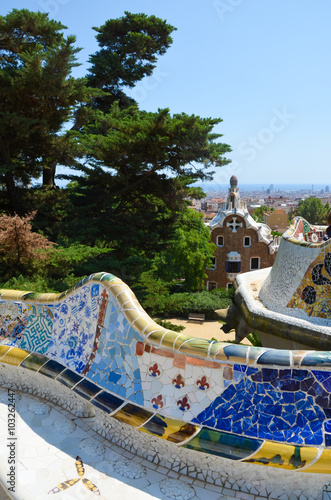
x,y
255,263
212,266
211,285
220,241
247,241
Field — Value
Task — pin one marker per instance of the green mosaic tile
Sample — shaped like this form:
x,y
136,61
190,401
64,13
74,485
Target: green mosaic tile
x,y
223,444
34,362
69,378
51,369
86,389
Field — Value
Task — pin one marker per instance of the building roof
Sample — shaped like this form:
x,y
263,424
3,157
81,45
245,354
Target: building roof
x,y
235,206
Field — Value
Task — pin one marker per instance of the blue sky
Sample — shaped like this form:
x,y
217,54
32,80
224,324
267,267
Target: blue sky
x,y
262,66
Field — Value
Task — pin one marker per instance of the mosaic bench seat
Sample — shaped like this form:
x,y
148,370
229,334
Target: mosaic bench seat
x,y
95,342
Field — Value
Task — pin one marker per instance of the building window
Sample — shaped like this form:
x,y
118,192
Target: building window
x,y
229,285
255,263
211,285
220,241
233,267
212,266
247,241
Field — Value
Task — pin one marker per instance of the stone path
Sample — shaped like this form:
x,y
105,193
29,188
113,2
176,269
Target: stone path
x,y
206,330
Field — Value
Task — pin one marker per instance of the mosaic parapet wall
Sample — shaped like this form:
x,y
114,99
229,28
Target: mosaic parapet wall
x,y
255,405
301,275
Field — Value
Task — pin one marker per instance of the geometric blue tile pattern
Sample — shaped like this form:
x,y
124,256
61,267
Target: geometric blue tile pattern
x,y
116,367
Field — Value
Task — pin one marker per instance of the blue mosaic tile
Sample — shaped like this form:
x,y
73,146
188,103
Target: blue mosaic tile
x,y
259,410
86,389
52,369
275,357
269,374
107,402
69,378
251,371
317,358
37,334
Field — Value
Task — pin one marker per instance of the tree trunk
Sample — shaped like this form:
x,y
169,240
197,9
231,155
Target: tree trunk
x,y
49,175
12,193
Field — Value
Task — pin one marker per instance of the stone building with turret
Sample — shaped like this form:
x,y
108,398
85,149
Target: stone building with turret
x,y
242,244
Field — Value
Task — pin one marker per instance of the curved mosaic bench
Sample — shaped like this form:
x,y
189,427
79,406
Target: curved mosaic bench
x,y
254,405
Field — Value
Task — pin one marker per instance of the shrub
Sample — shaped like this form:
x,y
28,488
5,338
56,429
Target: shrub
x,y
169,326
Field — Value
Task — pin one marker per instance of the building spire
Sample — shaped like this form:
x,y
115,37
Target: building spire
x,y
233,196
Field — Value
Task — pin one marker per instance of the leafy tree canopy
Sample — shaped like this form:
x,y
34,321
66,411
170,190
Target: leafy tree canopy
x,y
313,210
135,170
129,49
188,254
37,93
258,212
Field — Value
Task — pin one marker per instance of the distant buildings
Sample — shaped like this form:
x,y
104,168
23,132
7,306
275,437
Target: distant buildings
x,y
242,244
277,220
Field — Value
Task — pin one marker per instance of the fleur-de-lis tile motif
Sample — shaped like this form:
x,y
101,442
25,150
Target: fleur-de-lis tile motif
x,y
178,381
154,370
183,404
157,402
71,482
202,383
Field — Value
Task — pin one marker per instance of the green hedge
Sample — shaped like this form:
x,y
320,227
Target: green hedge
x,y
181,304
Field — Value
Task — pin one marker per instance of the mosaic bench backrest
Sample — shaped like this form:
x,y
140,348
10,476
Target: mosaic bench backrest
x,y
300,278
249,404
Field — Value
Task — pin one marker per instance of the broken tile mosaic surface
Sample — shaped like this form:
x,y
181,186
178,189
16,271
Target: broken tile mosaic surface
x,y
92,344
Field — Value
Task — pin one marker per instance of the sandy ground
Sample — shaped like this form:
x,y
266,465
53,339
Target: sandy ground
x,y
205,330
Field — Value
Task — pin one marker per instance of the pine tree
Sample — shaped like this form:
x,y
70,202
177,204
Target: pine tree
x,y
37,94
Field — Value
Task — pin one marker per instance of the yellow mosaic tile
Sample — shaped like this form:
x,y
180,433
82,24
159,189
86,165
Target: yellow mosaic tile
x,y
49,297
15,356
11,294
283,456
322,465
317,301
3,350
195,346
169,338
220,354
116,288
156,335
142,323
215,347
133,415
172,430
125,297
131,314
179,341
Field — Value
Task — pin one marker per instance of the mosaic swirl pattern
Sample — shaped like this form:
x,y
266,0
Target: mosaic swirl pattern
x,y
263,406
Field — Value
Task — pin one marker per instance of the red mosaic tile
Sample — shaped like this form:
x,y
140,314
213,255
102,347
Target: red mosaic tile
x,y
140,348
